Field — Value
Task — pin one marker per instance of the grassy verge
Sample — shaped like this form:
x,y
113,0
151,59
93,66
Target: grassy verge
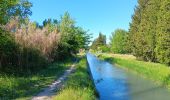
x,y
78,86
12,87
158,72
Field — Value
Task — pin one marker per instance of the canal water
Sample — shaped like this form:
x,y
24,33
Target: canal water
x,y
113,83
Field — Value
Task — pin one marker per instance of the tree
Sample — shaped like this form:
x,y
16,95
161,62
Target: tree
x,y
13,8
133,31
118,41
149,31
163,33
136,36
72,37
99,42
68,42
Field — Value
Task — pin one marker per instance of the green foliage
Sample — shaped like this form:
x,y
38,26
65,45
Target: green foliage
x,y
11,8
132,36
119,41
68,34
99,42
148,36
72,38
163,33
105,48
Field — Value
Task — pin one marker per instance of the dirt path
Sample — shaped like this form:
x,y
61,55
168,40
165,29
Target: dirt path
x,y
56,85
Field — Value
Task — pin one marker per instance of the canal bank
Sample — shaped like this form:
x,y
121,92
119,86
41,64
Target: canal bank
x,y
78,86
115,83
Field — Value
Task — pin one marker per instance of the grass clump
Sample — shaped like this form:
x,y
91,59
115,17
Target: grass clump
x,y
79,85
155,71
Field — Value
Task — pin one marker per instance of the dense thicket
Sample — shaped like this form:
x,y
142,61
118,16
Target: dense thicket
x,y
149,33
118,41
8,47
26,46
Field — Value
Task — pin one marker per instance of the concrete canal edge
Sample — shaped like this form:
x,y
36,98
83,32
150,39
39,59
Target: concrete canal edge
x,y
90,74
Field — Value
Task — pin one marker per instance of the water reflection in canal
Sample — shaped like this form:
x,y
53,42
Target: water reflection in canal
x,y
114,83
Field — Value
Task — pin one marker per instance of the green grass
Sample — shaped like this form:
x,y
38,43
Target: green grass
x,y
79,86
13,87
158,72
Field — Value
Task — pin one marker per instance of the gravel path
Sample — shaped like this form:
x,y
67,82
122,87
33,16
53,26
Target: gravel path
x,y
56,85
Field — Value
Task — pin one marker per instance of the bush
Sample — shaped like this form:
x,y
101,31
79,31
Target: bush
x,y
105,48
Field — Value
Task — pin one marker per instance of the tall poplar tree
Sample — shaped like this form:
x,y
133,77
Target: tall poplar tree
x,y
163,33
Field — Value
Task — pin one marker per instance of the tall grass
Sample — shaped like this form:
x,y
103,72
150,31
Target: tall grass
x,y
79,85
155,71
29,49
30,36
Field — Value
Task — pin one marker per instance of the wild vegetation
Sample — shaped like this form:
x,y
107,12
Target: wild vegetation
x,y
28,50
27,46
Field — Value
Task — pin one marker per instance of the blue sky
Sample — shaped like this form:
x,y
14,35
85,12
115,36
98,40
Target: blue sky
x,y
94,15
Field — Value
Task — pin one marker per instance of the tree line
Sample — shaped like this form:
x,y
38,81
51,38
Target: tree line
x,y
148,37
149,33
27,47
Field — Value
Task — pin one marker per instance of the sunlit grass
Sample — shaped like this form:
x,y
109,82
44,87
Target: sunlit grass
x,y
13,87
155,71
123,56
79,85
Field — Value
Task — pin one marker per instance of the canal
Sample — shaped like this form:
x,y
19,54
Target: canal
x,y
113,83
